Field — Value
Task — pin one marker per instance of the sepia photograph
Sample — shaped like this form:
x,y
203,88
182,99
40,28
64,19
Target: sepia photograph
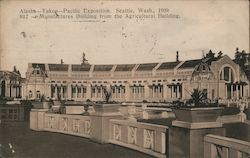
x,y
124,79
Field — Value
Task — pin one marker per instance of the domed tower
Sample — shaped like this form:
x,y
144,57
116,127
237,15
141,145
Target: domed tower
x,y
202,72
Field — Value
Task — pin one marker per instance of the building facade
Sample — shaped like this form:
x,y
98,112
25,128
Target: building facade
x,y
13,112
10,84
220,77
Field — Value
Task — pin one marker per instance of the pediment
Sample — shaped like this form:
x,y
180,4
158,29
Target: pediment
x,y
225,60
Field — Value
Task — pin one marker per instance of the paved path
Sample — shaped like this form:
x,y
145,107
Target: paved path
x,y
31,144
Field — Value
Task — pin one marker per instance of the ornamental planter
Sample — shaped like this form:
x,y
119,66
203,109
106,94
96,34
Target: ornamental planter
x,y
76,108
199,114
41,105
106,108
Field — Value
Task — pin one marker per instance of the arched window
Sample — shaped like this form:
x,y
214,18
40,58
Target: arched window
x,y
227,74
38,94
30,94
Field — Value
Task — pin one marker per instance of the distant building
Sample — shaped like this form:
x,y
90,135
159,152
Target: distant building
x,y
10,84
11,112
220,77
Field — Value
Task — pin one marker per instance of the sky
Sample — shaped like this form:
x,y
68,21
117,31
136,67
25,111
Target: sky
x,y
202,25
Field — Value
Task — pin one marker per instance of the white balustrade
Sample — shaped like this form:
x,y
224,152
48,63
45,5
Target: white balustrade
x,y
68,124
224,147
144,137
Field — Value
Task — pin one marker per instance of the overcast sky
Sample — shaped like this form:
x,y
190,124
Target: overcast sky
x,y
203,25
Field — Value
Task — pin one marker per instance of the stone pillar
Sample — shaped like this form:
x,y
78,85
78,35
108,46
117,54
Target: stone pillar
x,y
177,92
37,119
88,91
95,92
165,92
146,91
153,91
76,91
226,95
6,88
127,92
232,92
172,92
69,89
101,91
237,91
61,91
100,121
187,139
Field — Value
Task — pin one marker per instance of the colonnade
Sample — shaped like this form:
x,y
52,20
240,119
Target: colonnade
x,y
118,92
234,91
10,89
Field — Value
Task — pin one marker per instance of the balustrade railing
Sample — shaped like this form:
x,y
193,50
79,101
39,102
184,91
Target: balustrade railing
x,y
148,138
68,124
224,147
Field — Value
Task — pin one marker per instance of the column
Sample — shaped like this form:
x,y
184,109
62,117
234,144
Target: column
x,y
127,92
156,91
115,91
101,91
62,97
177,91
172,91
120,88
76,91
69,89
164,91
226,96
146,91
6,88
232,91
237,91
88,91
96,91
81,91
153,91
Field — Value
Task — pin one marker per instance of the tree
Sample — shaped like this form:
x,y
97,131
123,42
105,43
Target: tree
x,y
210,54
243,60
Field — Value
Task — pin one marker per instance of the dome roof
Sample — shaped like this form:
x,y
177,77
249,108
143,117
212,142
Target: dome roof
x,y
202,71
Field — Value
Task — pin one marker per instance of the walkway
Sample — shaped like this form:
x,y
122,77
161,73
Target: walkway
x,y
32,144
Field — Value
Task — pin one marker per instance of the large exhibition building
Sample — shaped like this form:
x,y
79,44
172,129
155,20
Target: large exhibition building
x,y
220,77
